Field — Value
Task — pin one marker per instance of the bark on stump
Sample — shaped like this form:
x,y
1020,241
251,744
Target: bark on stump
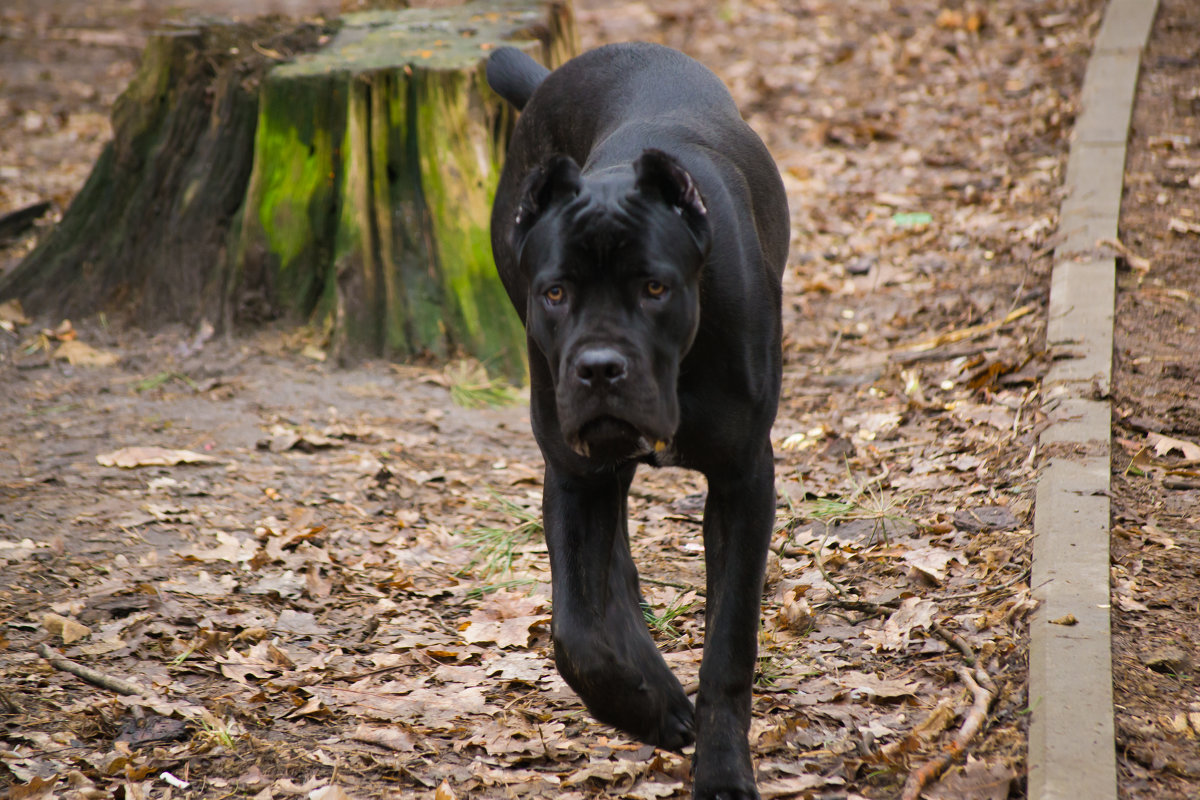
x,y
348,186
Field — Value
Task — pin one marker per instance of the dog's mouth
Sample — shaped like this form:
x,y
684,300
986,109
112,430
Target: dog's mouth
x,y
611,438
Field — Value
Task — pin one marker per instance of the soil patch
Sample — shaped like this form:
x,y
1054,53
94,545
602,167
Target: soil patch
x,y
1156,407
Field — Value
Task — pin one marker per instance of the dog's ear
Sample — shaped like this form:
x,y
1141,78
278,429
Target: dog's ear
x,y
558,178
660,174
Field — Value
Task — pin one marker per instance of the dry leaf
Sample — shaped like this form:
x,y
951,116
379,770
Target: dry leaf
x,y
795,612
976,780
913,613
876,688
65,332
931,561
1165,444
437,708
12,313
78,354
315,584
130,457
391,737
1183,226
330,792
505,633
444,792
65,627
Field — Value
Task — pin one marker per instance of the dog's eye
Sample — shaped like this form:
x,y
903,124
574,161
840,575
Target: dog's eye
x,y
655,289
555,294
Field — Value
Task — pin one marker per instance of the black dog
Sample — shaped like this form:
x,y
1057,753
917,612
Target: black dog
x,y
641,229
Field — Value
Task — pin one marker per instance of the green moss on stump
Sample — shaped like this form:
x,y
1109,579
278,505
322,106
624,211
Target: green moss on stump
x,y
376,161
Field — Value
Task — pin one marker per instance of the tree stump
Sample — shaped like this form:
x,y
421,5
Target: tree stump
x,y
340,176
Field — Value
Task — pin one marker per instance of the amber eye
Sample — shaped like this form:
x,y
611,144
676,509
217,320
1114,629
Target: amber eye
x,y
655,289
555,294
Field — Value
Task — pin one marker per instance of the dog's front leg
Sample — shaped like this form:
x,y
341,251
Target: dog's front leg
x,y
738,521
601,644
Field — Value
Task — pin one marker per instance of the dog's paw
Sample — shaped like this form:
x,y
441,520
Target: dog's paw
x,y
677,726
723,773
731,794
746,791
659,714
634,692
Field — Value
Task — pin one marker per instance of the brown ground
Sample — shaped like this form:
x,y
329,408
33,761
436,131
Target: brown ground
x,y
1156,509
320,606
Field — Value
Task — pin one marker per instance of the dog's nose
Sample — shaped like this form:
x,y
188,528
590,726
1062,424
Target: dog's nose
x,y
600,366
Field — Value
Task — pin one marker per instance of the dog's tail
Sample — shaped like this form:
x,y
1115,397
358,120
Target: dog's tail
x,y
514,75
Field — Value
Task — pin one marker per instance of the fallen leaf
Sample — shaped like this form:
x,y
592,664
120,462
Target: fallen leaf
x,y
1163,445
65,627
38,788
316,585
11,312
649,790
444,792
299,622
985,518
230,548
976,780
391,737
797,785
330,792
504,633
795,612
522,667
913,613
79,354
440,708
1178,225
65,332
876,688
1066,619
130,457
931,561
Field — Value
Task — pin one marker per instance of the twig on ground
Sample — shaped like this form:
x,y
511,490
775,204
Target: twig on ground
x,y
932,770
683,587
989,590
863,606
974,676
954,640
92,676
970,332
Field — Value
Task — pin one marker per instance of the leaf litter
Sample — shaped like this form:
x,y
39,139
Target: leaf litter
x,y
346,594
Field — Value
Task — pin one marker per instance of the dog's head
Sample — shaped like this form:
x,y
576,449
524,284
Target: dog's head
x,y
613,262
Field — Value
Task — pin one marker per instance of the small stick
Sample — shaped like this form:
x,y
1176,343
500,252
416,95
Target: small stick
x,y
683,587
954,640
932,770
90,675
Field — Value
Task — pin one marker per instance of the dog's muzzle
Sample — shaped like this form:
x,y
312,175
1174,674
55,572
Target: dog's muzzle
x,y
608,408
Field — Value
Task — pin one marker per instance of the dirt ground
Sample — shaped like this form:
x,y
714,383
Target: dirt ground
x,y
1156,393
345,591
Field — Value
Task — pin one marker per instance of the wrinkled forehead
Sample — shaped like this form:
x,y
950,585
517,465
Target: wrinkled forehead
x,y
615,227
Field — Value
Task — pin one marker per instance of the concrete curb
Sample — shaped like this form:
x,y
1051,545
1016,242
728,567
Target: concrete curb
x,y
1071,742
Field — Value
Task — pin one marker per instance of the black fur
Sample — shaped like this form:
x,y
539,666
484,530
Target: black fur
x,y
641,230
